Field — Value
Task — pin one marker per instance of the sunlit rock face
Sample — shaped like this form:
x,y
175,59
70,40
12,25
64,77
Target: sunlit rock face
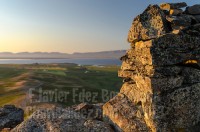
x,y
161,90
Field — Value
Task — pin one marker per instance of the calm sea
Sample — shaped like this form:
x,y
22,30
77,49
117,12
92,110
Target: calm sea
x,y
76,61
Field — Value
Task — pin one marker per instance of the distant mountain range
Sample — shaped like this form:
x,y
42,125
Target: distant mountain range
x,y
57,55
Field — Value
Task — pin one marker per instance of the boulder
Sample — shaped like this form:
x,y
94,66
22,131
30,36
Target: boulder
x,y
10,116
150,24
168,6
62,119
194,10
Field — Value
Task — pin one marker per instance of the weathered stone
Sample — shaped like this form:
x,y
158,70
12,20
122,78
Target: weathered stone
x,y
157,84
60,120
124,115
179,108
10,116
137,67
168,49
150,24
173,49
175,12
194,10
161,90
168,6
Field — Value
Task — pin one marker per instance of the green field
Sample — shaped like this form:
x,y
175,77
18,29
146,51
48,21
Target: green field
x,y
63,84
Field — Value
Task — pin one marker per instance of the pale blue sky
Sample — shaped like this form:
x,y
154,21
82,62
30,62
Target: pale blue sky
x,y
68,25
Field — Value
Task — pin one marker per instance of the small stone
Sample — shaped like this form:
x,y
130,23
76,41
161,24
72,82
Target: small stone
x,y
168,6
175,12
194,10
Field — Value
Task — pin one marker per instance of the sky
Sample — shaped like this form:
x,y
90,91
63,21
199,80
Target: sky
x,y
69,25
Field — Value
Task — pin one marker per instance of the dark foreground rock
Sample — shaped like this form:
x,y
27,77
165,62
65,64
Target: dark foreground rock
x,y
81,118
10,116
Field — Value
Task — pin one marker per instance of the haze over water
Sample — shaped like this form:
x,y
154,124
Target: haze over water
x,y
76,61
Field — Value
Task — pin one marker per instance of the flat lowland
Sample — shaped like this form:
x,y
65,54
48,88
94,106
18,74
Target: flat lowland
x,y
57,84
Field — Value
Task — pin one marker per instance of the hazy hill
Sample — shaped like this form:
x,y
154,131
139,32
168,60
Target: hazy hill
x,y
53,55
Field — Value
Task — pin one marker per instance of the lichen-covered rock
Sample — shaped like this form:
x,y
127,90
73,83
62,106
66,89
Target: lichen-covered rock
x,y
161,90
122,112
168,6
10,116
178,108
150,24
168,49
61,120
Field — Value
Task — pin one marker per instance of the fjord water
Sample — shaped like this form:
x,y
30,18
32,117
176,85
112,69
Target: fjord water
x,y
76,61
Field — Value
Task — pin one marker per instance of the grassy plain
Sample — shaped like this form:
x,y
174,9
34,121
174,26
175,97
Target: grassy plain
x,y
63,84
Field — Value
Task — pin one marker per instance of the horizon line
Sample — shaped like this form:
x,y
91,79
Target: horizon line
x,y
61,52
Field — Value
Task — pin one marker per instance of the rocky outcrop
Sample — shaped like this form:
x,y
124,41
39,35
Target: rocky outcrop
x,y
82,118
10,116
150,24
161,90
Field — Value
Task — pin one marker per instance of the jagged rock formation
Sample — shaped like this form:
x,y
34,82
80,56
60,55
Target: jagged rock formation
x,y
81,118
161,90
10,116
